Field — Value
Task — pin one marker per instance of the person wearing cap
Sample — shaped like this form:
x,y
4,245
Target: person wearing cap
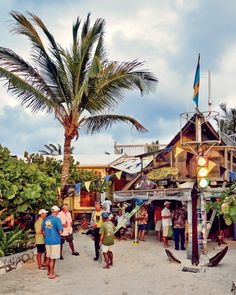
x,y
39,238
52,229
166,223
96,222
67,235
106,232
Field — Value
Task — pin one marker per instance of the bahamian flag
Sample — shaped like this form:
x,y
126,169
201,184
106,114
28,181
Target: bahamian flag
x,y
196,83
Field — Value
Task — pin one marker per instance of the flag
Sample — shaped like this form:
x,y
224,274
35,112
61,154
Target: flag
x,y
178,151
107,178
222,170
118,174
77,187
169,148
87,185
211,165
196,83
232,176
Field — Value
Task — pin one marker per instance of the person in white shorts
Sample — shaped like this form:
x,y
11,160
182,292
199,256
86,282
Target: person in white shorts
x,y
107,239
166,223
52,229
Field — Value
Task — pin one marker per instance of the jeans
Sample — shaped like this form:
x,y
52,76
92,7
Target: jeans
x,y
179,232
96,241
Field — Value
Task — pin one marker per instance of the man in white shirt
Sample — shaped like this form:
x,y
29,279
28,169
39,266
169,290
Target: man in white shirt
x,y
166,223
67,235
106,205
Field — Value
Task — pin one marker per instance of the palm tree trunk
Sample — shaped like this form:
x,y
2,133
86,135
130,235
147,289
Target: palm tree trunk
x,y
66,161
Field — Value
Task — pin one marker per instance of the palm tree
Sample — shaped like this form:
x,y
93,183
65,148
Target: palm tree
x,y
53,150
77,84
227,123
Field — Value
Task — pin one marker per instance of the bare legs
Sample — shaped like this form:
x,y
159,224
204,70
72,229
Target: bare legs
x,y
71,245
39,260
141,235
165,242
159,235
51,268
108,257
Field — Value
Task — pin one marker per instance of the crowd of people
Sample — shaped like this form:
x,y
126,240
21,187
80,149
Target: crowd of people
x,y
53,230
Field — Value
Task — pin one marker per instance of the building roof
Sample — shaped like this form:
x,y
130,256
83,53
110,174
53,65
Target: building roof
x,y
131,165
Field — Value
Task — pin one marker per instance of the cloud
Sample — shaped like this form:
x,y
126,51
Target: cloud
x,y
167,35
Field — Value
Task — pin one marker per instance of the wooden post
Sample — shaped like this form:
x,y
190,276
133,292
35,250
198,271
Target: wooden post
x,y
171,159
136,229
190,234
195,254
226,164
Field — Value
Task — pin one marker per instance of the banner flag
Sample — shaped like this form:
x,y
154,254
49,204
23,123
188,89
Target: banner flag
x,y
118,174
211,165
107,178
222,170
77,188
87,185
178,151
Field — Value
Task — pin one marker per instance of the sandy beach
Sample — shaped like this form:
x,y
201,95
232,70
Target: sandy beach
x,y
142,269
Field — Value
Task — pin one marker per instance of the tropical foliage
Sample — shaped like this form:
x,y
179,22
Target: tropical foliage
x,y
79,85
227,123
225,205
15,241
26,186
53,150
29,184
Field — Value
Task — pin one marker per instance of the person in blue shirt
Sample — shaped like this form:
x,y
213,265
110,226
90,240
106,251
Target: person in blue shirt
x,y
52,229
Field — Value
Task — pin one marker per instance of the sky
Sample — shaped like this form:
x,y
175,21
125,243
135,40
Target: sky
x,y
166,35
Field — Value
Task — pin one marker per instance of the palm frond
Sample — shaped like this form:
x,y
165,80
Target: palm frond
x,y
97,123
17,65
28,95
111,84
52,73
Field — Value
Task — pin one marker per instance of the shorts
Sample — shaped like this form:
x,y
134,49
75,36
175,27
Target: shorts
x,y
158,225
167,231
106,249
68,238
41,248
53,251
142,226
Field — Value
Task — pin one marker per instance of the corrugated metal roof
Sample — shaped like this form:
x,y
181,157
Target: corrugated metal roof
x,y
131,165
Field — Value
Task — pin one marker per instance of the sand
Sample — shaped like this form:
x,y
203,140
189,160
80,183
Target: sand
x,y
142,269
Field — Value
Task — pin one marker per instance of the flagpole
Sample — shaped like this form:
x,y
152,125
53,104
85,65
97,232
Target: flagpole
x,y
209,91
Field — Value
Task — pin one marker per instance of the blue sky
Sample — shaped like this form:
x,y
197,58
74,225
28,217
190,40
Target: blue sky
x,y
167,35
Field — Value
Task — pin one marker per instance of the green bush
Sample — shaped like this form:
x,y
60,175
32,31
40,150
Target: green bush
x,y
15,241
225,205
